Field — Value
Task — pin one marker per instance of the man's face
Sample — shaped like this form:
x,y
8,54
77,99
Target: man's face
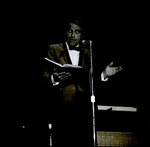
x,y
73,35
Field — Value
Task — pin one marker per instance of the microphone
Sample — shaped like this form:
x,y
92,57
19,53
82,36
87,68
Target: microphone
x,y
85,41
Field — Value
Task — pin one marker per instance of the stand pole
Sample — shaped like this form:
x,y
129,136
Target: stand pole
x,y
92,97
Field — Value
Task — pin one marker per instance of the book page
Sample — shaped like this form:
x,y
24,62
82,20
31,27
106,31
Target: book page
x,y
63,66
53,62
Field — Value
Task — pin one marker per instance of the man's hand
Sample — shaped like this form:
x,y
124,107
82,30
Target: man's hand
x,y
110,71
61,76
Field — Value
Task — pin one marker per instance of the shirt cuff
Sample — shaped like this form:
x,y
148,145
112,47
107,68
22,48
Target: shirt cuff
x,y
102,77
53,81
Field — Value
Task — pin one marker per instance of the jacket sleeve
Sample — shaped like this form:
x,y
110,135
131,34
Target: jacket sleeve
x,y
48,69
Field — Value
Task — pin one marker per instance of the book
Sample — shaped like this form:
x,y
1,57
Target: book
x,y
63,66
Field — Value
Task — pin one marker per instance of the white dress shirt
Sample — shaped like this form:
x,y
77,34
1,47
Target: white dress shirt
x,y
74,55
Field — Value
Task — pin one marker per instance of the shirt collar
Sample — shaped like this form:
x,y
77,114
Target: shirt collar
x,y
68,45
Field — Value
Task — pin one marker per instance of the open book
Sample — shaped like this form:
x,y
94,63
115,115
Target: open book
x,y
62,66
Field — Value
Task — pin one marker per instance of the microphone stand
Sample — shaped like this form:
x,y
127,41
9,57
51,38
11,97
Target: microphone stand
x,y
92,96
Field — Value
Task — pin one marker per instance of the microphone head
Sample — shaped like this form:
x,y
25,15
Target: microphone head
x,y
85,41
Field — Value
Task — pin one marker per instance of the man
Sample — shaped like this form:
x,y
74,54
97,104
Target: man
x,y
72,118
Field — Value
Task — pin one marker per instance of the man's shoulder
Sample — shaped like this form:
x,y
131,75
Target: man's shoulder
x,y
57,48
58,45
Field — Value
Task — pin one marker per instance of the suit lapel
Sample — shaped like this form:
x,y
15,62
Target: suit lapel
x,y
81,58
84,57
64,57
67,54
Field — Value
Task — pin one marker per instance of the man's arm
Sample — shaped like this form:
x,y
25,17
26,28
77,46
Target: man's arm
x,y
55,75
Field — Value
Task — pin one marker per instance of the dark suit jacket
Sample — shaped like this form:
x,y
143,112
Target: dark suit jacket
x,y
77,89
59,54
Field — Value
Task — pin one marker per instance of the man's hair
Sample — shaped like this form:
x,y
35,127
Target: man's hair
x,y
72,20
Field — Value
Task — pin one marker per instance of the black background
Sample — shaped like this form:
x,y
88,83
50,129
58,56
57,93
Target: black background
x,y
119,33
